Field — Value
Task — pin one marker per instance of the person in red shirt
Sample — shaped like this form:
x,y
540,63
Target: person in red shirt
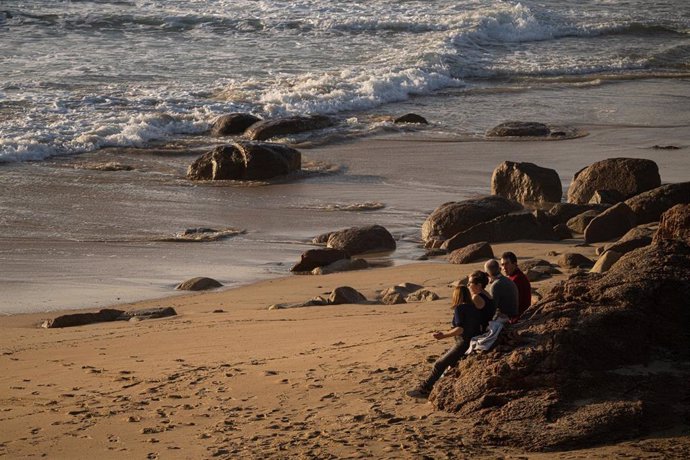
x,y
512,271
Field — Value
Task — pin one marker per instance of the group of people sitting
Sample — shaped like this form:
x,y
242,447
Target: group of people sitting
x,y
480,309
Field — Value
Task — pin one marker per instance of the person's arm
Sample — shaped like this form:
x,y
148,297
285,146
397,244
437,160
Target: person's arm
x,y
438,335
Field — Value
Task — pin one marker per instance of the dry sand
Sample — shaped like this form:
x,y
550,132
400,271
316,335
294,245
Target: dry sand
x,y
315,382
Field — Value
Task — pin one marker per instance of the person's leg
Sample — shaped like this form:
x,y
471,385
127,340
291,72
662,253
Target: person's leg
x,y
450,358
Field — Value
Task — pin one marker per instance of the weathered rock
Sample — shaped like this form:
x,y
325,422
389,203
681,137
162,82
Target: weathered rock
x,y
342,265
674,224
412,118
245,161
81,319
454,217
547,385
471,253
509,227
199,283
267,129
579,223
318,258
519,128
403,289
562,232
422,295
359,240
610,224
345,295
606,197
635,238
232,124
628,176
537,273
321,239
649,206
148,313
606,261
393,298
526,183
531,263
574,260
561,213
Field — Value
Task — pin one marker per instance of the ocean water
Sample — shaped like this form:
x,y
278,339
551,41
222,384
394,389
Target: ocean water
x,y
79,75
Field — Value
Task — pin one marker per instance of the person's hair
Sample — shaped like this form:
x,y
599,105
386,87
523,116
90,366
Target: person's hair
x,y
492,267
480,277
461,295
510,256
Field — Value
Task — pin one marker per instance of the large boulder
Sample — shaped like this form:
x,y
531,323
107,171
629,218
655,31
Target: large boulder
x,y
628,176
359,240
561,213
526,183
610,224
457,216
601,358
345,295
637,237
318,258
245,161
519,129
471,253
509,227
649,206
232,124
579,223
674,224
267,129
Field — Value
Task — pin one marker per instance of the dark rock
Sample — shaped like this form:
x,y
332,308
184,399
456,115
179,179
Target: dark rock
x,y
576,372
412,118
561,213
649,206
574,260
232,124
285,126
509,227
342,265
628,176
471,253
637,237
562,232
606,197
665,147
81,319
606,261
579,223
198,284
148,313
454,217
610,224
526,183
318,258
519,128
359,240
345,295
245,161
674,224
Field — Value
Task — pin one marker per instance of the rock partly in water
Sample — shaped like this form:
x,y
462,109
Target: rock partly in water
x,y
342,265
574,260
627,176
649,206
548,384
232,124
412,118
198,284
674,224
245,161
526,183
345,295
454,217
471,253
519,129
318,258
610,224
360,240
267,129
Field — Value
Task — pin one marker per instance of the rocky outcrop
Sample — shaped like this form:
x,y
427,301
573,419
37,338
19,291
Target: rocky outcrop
x,y
519,129
267,129
411,118
675,224
199,283
574,260
606,261
610,224
509,227
471,253
579,223
318,258
360,240
627,176
649,206
598,359
345,295
245,161
108,315
232,124
526,183
457,216
561,213
637,237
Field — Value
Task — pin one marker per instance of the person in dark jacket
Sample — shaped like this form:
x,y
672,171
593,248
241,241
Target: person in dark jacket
x,y
512,271
481,298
